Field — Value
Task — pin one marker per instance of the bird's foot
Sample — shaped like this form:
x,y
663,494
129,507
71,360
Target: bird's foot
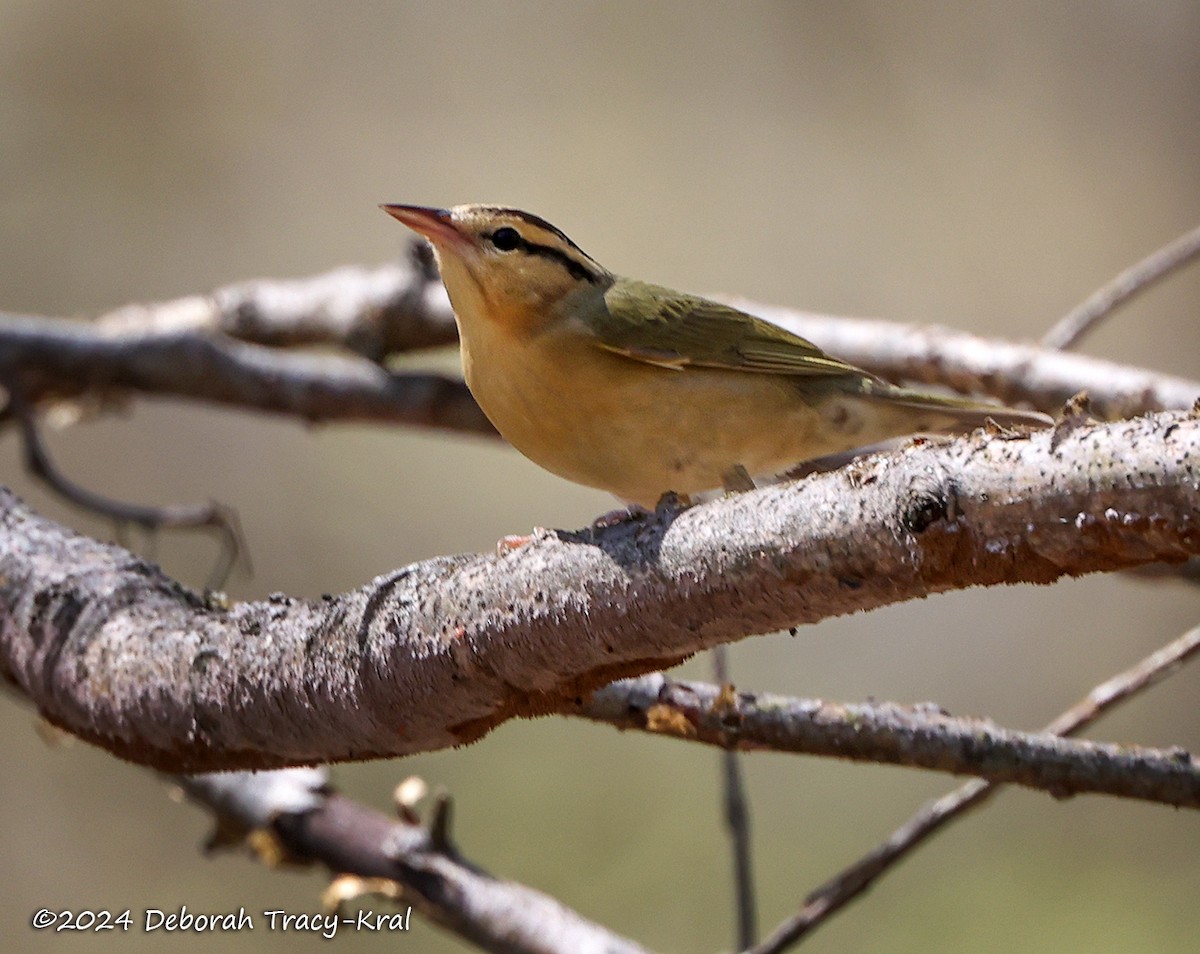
x,y
507,544
672,501
615,517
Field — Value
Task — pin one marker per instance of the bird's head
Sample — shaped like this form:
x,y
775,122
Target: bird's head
x,y
505,265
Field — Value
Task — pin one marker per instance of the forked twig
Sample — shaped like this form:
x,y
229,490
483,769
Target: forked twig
x,y
856,879
210,515
1106,299
310,823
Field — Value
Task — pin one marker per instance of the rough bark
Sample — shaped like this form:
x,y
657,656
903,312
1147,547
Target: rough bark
x,y
438,653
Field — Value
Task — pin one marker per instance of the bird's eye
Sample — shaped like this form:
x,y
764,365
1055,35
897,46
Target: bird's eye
x,y
506,238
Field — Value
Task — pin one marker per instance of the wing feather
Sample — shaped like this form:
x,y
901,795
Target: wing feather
x,y
674,330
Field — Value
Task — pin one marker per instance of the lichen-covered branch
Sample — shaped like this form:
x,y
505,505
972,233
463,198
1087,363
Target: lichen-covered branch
x,y
438,653
923,737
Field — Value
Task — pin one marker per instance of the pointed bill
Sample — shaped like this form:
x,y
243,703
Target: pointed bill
x,y
437,225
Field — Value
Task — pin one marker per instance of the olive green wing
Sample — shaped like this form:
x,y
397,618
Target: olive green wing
x,y
674,330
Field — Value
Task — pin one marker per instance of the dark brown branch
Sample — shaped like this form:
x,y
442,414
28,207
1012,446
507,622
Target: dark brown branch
x,y
319,826
920,737
439,653
855,880
1134,280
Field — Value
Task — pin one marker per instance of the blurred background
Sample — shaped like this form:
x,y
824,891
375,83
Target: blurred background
x,y
983,166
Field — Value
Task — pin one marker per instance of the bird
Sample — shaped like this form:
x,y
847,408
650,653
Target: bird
x,y
643,391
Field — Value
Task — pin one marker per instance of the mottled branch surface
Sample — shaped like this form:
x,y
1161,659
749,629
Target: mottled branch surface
x,y
438,653
919,736
238,346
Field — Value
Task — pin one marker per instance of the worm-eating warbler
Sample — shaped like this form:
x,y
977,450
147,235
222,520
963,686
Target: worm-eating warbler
x,y
640,390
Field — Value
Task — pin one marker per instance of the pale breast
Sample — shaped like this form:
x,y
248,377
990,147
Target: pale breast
x,y
630,428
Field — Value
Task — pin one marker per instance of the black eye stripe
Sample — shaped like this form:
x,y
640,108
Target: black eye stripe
x,y
577,270
508,239
535,220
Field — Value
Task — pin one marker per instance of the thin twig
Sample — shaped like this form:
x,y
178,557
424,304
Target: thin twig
x,y
922,736
856,879
1137,278
737,815
200,516
1147,673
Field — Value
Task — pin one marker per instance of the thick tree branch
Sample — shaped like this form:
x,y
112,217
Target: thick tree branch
x,y
316,825
923,737
374,312
438,653
62,359
226,348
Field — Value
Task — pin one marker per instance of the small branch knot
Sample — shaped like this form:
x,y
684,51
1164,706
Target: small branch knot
x,y
926,506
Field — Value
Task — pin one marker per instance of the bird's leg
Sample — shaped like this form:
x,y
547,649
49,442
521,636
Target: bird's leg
x,y
736,480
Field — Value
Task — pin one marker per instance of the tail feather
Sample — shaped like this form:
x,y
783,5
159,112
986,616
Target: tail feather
x,y
958,412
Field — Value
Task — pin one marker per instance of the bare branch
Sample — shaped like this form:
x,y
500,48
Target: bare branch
x,y
62,359
189,348
1108,298
373,312
920,737
316,825
1012,372
438,653
205,516
854,881
1108,695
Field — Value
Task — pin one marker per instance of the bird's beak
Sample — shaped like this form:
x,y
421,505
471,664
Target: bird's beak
x,y
435,224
